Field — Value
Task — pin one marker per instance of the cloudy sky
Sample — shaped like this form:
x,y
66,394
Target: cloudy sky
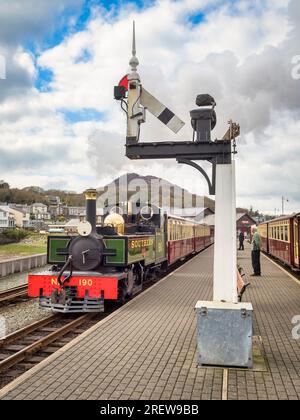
x,y
59,124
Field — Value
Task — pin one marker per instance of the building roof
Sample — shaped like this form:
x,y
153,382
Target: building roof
x,y
17,209
5,208
241,215
39,205
210,219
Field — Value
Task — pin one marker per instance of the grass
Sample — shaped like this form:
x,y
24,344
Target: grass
x,y
34,244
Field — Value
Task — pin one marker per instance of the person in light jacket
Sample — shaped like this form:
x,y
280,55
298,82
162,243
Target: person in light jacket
x,y
256,245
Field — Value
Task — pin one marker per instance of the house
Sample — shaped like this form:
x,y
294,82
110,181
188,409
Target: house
x,y
7,220
243,222
22,217
40,211
71,212
56,207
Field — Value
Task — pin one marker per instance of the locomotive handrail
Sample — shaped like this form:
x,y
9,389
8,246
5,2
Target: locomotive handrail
x,y
67,263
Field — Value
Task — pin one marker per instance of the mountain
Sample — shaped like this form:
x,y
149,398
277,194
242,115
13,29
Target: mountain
x,y
150,188
157,190
144,188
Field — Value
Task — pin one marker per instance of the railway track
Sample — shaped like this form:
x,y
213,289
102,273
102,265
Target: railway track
x,y
16,293
23,349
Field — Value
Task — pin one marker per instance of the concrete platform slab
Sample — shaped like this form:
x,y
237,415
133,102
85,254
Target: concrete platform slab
x,y
147,349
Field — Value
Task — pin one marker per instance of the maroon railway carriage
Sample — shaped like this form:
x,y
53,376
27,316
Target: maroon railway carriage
x,y
280,239
186,237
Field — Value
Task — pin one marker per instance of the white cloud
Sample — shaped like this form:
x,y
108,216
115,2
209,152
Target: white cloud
x,y
32,19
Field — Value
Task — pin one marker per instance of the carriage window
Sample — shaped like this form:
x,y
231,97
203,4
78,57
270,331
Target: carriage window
x,y
286,234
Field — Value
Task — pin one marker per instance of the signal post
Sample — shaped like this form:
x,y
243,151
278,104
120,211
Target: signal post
x,y
224,326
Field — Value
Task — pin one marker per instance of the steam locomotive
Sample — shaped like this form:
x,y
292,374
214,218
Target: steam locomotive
x,y
113,261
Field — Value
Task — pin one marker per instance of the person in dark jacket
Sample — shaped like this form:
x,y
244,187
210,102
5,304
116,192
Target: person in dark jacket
x,y
241,240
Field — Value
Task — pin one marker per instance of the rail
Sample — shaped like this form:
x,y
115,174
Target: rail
x,y
14,293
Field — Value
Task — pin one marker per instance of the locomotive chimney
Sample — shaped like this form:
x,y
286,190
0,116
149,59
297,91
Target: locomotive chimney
x,y
91,207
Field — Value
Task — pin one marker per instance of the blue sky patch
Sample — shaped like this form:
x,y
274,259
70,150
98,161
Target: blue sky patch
x,y
196,18
43,80
71,23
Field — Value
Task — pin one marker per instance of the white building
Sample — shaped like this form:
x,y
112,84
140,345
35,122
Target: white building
x,y
40,211
74,212
6,218
22,218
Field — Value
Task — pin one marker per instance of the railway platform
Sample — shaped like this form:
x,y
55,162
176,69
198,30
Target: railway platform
x,y
147,349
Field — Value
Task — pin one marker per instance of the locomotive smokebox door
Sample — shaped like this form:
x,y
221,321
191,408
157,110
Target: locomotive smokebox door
x,y
224,334
87,253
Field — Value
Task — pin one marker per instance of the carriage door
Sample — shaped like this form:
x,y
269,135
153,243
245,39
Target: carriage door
x,y
296,241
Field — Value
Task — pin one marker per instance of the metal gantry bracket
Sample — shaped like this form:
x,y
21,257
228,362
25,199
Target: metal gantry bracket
x,y
215,152
211,183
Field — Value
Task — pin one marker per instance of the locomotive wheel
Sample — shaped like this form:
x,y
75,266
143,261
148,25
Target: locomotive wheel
x,y
121,294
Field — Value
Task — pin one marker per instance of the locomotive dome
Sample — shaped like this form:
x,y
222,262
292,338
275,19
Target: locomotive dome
x,y
115,220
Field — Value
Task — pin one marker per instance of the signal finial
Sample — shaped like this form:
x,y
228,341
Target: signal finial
x,y
134,62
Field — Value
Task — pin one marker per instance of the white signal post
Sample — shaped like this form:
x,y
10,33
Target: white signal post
x,y
225,252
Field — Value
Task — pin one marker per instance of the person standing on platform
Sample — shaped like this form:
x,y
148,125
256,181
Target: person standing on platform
x,y
241,240
256,244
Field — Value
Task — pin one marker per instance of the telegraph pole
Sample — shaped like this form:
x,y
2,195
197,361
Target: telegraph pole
x,y
283,201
